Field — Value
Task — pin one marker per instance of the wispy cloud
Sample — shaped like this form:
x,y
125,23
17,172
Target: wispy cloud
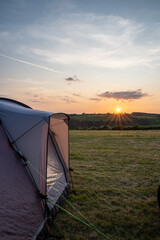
x,y
91,39
77,95
95,99
32,64
35,98
68,100
124,95
4,95
96,40
37,101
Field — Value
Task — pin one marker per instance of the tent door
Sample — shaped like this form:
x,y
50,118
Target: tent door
x,y
56,176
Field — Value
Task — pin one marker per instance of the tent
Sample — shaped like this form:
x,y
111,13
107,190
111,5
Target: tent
x,y
34,168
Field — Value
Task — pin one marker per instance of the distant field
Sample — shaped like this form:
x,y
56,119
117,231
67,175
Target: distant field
x,y
116,180
119,121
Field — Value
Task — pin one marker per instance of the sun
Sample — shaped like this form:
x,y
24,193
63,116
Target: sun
x,y
118,110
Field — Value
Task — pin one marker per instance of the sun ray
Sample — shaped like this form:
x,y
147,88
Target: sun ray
x,y
119,119
111,119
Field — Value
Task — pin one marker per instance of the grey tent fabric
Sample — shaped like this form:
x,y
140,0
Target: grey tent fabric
x,y
41,139
20,209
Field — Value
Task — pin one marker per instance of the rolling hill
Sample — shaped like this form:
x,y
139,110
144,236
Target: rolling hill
x,y
135,120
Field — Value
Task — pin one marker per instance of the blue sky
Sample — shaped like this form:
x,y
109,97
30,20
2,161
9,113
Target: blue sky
x,y
81,56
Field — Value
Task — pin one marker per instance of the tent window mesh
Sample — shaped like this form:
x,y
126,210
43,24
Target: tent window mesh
x,y
56,181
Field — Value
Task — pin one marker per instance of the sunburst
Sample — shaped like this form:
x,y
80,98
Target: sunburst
x,y
118,119
118,110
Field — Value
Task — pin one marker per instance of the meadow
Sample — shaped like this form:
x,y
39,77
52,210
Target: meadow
x,y
115,177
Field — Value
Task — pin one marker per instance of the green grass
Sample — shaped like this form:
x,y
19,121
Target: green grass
x,y
116,180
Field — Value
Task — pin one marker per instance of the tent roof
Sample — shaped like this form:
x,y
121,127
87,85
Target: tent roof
x,y
9,105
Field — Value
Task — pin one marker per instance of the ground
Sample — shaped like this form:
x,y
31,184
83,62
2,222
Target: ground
x,y
116,181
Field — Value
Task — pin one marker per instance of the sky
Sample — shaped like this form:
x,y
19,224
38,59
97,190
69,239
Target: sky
x,y
88,56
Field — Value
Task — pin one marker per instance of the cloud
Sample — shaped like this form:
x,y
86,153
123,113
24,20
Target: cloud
x,y
124,95
35,98
72,79
111,42
37,101
92,40
4,95
68,100
95,99
77,95
29,63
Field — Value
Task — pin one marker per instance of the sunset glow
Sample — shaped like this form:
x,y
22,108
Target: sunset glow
x,y
81,56
118,110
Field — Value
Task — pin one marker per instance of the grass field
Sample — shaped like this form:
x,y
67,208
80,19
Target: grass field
x,y
116,180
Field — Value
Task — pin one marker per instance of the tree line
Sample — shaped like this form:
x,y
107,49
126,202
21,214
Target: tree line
x,y
134,121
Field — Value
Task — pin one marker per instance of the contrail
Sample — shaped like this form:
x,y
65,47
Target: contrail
x,y
32,64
